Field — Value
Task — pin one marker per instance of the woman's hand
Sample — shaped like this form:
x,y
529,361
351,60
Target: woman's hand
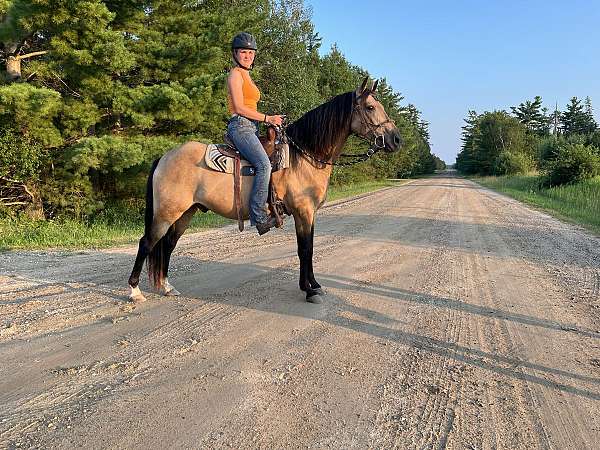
x,y
274,120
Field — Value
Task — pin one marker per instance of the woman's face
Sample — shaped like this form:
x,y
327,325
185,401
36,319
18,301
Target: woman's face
x,y
245,56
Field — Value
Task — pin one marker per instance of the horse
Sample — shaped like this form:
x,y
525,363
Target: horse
x,y
180,184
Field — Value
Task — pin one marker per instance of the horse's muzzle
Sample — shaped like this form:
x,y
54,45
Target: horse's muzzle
x,y
393,140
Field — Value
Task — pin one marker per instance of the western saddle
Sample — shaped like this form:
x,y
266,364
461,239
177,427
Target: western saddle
x,y
276,146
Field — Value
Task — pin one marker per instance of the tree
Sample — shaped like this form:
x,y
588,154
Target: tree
x,y
578,118
592,125
466,160
288,60
494,143
337,75
439,163
533,116
101,88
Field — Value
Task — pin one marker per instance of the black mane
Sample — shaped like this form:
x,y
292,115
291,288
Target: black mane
x,y
323,130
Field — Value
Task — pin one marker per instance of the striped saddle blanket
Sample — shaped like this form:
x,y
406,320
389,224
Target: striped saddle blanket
x,y
221,157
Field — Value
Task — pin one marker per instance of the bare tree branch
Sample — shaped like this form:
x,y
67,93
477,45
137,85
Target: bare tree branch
x,y
29,55
76,94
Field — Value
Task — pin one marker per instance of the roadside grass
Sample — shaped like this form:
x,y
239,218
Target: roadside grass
x,y
338,192
578,203
120,224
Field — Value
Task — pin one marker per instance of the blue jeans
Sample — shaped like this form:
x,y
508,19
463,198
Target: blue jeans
x,y
244,134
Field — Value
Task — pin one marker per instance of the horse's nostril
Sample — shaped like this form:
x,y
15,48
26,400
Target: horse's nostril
x,y
396,139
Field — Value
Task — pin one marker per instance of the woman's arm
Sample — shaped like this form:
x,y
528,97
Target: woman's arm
x,y
234,84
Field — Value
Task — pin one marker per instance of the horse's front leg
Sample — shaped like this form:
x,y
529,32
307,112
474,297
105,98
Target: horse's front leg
x,y
311,276
304,235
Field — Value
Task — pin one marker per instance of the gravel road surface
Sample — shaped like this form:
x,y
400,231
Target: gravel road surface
x,y
454,318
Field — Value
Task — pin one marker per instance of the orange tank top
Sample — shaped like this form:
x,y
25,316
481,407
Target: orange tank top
x,y
249,90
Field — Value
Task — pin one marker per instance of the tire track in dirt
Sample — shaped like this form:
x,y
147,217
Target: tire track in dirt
x,y
557,430
418,401
302,372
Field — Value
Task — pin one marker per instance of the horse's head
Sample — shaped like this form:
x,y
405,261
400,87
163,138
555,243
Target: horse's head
x,y
370,121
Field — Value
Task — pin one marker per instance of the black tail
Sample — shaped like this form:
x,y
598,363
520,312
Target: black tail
x,y
149,214
156,257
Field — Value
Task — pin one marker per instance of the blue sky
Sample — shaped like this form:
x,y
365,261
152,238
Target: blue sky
x,y
447,57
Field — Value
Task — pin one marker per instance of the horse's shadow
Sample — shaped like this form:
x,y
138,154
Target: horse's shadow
x,y
340,313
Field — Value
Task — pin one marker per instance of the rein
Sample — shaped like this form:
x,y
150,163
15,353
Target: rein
x,y
358,158
376,144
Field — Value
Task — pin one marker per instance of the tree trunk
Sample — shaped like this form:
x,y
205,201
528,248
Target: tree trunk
x,y
13,68
13,64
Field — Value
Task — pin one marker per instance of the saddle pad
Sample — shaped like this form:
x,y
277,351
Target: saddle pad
x,y
215,160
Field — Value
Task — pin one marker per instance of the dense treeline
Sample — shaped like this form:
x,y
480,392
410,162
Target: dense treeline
x,y
563,146
93,91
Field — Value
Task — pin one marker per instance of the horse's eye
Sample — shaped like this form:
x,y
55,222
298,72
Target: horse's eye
x,y
370,108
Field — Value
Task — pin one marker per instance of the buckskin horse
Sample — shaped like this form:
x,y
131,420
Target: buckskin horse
x,y
180,184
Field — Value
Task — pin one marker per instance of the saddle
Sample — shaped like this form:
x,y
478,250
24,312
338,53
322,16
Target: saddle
x,y
227,159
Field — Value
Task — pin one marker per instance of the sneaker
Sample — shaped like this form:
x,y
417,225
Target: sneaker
x,y
263,227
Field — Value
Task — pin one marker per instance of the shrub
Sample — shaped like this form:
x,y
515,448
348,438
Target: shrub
x,y
573,163
67,196
549,147
32,111
21,161
594,139
20,158
510,163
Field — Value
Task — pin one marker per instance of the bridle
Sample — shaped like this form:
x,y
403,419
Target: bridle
x,y
376,141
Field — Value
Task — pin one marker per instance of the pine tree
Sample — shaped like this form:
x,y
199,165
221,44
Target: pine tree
x,y
287,68
592,125
533,116
466,161
337,75
576,119
102,88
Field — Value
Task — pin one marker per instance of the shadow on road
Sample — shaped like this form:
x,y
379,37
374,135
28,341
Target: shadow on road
x,y
284,298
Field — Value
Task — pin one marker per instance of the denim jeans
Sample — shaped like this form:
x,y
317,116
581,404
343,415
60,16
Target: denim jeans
x,y
244,134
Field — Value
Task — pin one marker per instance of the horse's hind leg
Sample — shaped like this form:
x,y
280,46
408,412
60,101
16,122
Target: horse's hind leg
x,y
171,238
146,244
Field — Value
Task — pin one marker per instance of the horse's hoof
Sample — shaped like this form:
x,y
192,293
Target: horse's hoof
x,y
316,299
168,289
139,298
136,295
319,291
171,293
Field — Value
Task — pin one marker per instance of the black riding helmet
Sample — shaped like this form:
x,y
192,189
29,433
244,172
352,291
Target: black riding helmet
x,y
243,40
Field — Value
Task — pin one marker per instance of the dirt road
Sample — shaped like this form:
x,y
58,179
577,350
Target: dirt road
x,y
454,318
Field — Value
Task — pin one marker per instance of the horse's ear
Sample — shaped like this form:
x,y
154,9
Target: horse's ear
x,y
362,87
374,88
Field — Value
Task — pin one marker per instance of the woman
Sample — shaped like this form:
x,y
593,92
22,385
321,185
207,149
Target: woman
x,y
242,129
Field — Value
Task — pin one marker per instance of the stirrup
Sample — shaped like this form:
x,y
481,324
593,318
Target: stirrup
x,y
262,228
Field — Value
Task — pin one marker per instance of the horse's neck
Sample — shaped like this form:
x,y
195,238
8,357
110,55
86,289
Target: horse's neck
x,y
306,169
334,153
307,178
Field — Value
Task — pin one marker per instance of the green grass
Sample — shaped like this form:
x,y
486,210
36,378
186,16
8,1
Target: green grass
x,y
119,224
338,192
578,203
40,234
